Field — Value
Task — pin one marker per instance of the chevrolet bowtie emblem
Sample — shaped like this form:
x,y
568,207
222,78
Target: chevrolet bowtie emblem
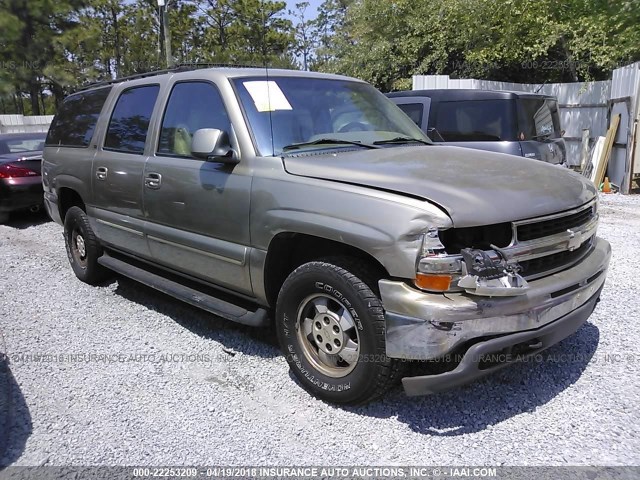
x,y
575,240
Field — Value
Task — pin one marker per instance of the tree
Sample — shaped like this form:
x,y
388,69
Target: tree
x,y
303,31
31,34
247,32
331,31
386,42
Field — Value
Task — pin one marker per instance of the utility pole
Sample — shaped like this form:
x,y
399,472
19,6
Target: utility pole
x,y
166,33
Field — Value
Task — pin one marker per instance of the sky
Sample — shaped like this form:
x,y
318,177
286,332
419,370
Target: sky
x,y
311,11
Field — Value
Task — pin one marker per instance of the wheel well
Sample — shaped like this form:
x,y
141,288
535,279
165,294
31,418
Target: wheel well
x,y
68,198
287,251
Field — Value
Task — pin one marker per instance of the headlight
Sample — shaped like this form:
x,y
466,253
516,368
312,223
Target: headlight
x,y
437,271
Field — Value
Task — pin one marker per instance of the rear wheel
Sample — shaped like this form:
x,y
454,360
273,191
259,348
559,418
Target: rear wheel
x,y
83,248
331,327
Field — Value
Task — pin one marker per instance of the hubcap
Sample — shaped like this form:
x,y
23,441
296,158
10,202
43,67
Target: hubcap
x,y
79,248
328,335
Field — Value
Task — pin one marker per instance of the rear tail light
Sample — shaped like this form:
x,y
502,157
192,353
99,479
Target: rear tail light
x,y
12,171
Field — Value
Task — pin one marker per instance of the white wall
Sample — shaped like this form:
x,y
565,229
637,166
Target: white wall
x,y
20,123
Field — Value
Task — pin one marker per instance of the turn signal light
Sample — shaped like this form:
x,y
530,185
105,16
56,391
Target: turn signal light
x,y
438,283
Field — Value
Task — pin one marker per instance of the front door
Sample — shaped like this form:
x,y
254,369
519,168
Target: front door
x,y
197,211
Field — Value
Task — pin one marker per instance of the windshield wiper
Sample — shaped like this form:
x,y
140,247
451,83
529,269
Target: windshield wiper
x,y
402,140
327,141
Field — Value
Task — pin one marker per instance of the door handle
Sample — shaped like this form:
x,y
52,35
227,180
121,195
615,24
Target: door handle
x,y
153,181
101,173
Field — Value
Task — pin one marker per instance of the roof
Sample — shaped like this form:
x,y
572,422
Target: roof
x,y
452,94
190,72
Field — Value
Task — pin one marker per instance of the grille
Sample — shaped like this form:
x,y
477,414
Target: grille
x,y
556,261
531,231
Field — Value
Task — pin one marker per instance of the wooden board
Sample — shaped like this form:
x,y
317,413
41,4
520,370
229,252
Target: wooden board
x,y
632,155
584,149
592,164
606,151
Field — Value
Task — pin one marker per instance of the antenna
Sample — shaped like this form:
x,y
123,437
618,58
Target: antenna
x,y
266,70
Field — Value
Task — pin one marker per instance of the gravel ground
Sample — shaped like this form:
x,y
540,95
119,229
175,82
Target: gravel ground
x,y
183,387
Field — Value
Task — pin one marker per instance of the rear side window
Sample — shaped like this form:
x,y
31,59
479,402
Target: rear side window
x,y
414,111
75,122
475,121
130,119
538,118
191,106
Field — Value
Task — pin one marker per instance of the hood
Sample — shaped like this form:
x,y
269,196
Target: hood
x,y
474,187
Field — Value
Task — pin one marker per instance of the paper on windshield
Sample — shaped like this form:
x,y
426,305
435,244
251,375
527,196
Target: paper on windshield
x,y
267,96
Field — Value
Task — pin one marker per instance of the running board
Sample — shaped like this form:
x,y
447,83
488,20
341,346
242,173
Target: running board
x,y
192,296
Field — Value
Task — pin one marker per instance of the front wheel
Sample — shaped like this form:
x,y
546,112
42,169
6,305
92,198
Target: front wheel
x,y
331,328
83,248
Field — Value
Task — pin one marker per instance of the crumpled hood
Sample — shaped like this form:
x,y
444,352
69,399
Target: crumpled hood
x,y
474,187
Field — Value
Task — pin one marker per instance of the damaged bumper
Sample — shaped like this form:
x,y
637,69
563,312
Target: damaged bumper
x,y
423,326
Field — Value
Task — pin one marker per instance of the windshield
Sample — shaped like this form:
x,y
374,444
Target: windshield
x,y
474,121
285,111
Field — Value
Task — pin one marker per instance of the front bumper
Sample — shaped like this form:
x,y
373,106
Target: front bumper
x,y
488,356
424,326
20,193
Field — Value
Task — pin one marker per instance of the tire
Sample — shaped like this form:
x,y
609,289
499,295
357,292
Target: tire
x,y
331,328
4,218
83,248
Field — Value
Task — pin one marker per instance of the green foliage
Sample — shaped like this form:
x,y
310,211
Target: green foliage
x,y
386,42
50,47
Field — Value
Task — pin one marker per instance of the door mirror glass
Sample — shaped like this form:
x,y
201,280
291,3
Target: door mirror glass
x,y
213,145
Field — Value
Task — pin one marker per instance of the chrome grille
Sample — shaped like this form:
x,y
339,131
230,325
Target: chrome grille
x,y
545,228
540,266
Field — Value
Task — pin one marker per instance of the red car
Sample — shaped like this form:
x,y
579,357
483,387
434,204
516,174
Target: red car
x,y
20,180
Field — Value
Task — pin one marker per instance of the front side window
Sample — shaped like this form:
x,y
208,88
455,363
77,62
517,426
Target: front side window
x,y
286,111
130,119
474,121
75,122
191,106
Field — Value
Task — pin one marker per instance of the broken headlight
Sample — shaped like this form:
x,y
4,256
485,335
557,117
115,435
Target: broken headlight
x,y
437,271
476,271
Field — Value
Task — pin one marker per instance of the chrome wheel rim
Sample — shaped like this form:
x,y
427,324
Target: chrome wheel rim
x,y
328,335
79,248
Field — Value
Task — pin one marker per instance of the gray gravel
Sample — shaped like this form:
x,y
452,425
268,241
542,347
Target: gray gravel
x,y
154,381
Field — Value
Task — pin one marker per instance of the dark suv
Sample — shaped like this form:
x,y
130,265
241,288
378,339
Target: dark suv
x,y
523,124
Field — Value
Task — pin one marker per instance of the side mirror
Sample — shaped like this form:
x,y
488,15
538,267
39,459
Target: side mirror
x,y
213,145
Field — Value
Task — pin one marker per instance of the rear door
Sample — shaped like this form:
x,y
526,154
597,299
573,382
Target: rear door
x,y
197,210
118,168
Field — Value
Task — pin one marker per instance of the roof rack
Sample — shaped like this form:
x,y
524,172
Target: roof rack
x,y
182,67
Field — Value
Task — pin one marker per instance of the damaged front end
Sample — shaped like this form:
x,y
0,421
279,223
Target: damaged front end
x,y
486,276
476,271
476,285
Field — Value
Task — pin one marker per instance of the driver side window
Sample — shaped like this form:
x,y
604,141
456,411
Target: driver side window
x,y
191,106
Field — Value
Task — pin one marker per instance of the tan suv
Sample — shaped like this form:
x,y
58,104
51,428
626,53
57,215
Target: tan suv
x,y
312,204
